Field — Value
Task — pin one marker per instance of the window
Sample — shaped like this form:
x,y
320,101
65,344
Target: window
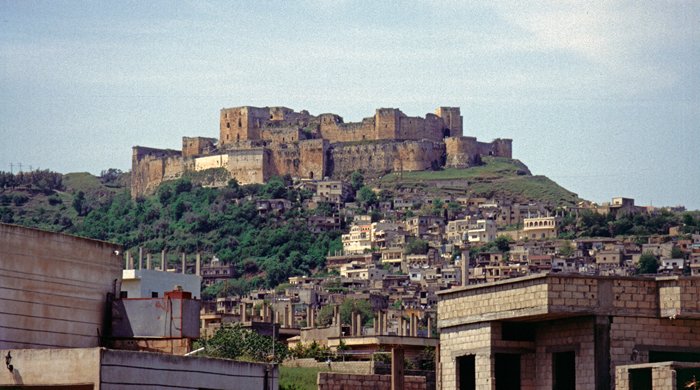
x,y
154,294
123,294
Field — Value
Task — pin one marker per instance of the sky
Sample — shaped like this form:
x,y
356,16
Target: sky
x,y
603,97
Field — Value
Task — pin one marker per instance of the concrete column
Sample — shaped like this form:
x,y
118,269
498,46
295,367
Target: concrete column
x,y
352,324
397,371
244,315
385,319
277,317
268,313
140,257
126,260
465,269
163,261
430,327
376,323
184,263
335,315
198,265
149,260
359,325
291,316
129,260
308,315
262,313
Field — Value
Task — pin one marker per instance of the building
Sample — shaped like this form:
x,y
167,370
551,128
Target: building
x,y
58,295
148,283
539,228
482,231
565,332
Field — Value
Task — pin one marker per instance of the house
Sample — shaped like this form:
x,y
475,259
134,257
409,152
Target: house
x,y
60,309
567,331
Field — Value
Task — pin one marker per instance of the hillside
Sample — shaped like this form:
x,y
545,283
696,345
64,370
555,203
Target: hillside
x,y
498,177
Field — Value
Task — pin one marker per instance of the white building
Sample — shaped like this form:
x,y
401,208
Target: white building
x,y
148,283
484,230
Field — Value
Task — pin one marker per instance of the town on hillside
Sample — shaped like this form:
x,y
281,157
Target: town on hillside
x,y
300,245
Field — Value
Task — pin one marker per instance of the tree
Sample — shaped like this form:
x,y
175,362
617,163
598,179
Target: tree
x,y
366,197
325,316
356,180
350,306
502,243
677,253
416,247
236,342
648,264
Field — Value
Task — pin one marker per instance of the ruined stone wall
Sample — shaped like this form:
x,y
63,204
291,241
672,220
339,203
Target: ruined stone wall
x,y
332,128
387,122
313,159
196,146
150,167
381,157
249,166
462,152
419,128
209,162
281,135
452,119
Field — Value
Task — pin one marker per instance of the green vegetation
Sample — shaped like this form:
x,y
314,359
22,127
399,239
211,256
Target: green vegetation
x,y
497,176
299,378
648,263
236,342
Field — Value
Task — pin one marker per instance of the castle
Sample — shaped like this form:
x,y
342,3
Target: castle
x,y
257,143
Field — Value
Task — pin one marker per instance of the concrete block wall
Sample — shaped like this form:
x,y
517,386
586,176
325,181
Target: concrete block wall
x,y
472,339
337,381
499,300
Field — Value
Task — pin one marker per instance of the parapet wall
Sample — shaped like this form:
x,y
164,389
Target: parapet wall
x,y
464,152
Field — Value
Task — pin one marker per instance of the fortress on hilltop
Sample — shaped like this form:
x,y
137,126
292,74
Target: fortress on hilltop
x,y
257,143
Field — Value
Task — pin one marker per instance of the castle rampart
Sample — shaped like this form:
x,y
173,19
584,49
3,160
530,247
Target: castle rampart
x,y
257,143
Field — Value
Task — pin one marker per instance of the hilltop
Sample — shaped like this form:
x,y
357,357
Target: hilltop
x,y
498,177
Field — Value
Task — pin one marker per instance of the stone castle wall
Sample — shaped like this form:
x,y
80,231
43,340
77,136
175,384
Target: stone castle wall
x,y
257,143
383,157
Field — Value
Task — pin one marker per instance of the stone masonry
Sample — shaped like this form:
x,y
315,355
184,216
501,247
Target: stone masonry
x,y
560,331
257,143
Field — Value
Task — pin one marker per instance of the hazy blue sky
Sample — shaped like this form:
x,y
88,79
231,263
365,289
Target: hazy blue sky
x,y
603,97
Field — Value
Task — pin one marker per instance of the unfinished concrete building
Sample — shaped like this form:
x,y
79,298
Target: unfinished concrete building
x,y
566,331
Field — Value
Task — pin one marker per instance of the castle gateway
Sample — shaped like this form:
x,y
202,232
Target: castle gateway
x,y
257,143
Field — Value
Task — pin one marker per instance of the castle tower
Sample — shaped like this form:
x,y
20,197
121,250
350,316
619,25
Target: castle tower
x,y
453,120
386,123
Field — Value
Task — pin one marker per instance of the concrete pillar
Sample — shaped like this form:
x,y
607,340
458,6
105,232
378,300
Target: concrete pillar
x,y
163,261
465,269
308,315
126,260
184,263
277,317
149,260
358,325
140,257
313,318
385,320
352,324
376,323
397,371
268,313
430,327
244,315
292,323
129,260
336,319
198,265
